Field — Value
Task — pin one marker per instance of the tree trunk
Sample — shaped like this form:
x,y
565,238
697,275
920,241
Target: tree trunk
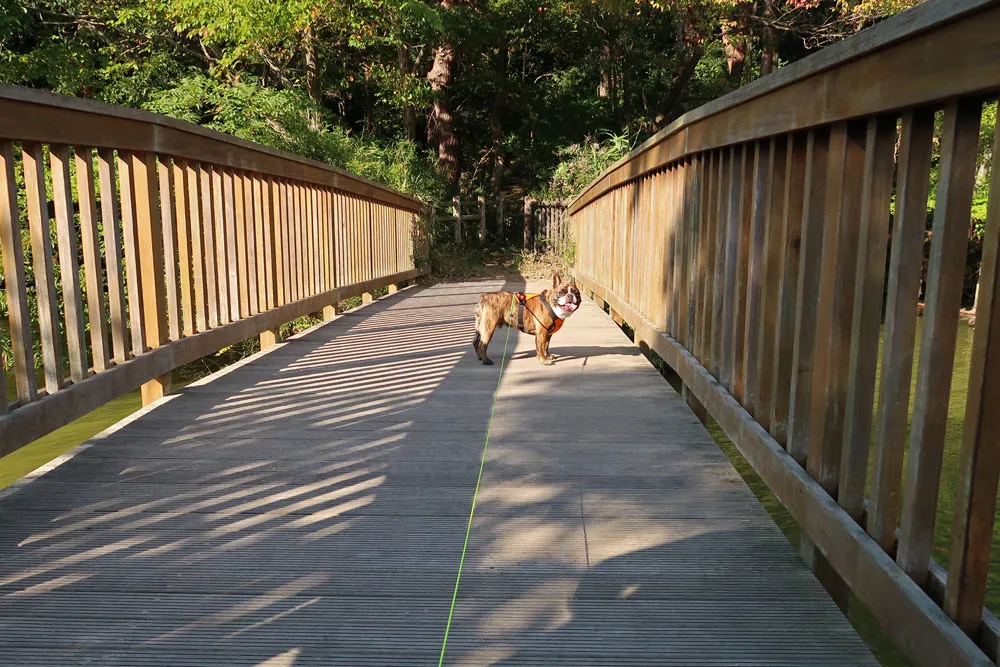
x,y
669,108
768,42
409,112
312,64
607,77
496,121
737,44
441,128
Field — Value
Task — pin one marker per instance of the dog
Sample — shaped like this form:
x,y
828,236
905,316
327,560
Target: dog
x,y
539,314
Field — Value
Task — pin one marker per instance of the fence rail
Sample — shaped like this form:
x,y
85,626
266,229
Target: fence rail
x,y
748,245
171,242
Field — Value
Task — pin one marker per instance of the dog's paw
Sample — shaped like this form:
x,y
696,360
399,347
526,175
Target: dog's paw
x,y
547,362
487,362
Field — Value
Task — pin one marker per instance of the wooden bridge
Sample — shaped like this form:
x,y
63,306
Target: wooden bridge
x,y
312,505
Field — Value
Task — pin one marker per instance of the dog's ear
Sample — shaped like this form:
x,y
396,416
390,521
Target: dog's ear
x,y
556,279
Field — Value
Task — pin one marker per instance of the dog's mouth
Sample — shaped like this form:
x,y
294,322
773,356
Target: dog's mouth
x,y
568,305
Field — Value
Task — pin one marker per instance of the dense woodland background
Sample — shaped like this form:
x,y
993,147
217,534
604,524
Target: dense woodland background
x,y
433,97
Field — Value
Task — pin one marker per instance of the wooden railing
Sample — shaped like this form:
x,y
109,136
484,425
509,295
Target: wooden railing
x,y
747,244
172,242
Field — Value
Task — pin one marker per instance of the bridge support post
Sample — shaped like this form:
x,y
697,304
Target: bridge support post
x,y
367,297
329,312
832,582
156,389
269,338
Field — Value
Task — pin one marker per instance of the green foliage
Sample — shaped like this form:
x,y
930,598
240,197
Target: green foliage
x,y
582,163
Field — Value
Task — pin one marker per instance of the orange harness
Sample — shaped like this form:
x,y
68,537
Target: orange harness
x,y
522,299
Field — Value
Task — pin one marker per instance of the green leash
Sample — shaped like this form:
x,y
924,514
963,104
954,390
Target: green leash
x,y
475,496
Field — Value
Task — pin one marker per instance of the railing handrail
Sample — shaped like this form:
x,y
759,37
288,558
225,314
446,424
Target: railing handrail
x,y
188,240
170,136
903,26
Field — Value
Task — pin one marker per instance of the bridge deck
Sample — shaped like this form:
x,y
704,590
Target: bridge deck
x,y
309,508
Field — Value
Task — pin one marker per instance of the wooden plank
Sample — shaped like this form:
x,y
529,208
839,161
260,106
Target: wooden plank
x,y
126,177
18,315
232,269
746,194
869,283
268,245
810,257
222,245
905,259
936,44
183,188
84,163
979,463
945,274
240,224
721,236
69,269
917,625
770,277
790,247
706,242
199,251
208,227
761,205
45,415
284,236
169,224
251,219
149,238
734,189
835,303
41,259
112,228
261,210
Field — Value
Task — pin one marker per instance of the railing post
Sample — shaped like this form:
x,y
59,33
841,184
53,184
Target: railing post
x,y
482,218
501,232
529,224
269,338
149,237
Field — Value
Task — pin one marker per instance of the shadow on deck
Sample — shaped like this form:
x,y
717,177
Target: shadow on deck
x,y
309,508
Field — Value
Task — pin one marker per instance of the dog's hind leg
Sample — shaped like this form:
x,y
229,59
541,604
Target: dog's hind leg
x,y
484,332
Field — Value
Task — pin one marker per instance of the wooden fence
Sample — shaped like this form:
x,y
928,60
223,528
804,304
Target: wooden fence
x,y
748,244
172,242
543,226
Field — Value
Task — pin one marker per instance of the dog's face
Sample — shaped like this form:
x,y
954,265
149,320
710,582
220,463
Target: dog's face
x,y
564,296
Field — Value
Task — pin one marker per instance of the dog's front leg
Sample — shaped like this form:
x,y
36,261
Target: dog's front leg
x,y
542,347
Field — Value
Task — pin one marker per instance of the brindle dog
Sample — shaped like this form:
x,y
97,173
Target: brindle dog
x,y
543,315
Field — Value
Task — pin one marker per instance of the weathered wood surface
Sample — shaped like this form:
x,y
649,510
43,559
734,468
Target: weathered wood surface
x,y
309,506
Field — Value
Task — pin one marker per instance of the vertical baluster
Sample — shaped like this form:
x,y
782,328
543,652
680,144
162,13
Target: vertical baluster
x,y
906,257
41,255
69,271
199,251
979,464
83,160
810,256
239,226
945,274
251,218
790,244
13,269
168,217
755,279
867,315
184,259
211,254
113,252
